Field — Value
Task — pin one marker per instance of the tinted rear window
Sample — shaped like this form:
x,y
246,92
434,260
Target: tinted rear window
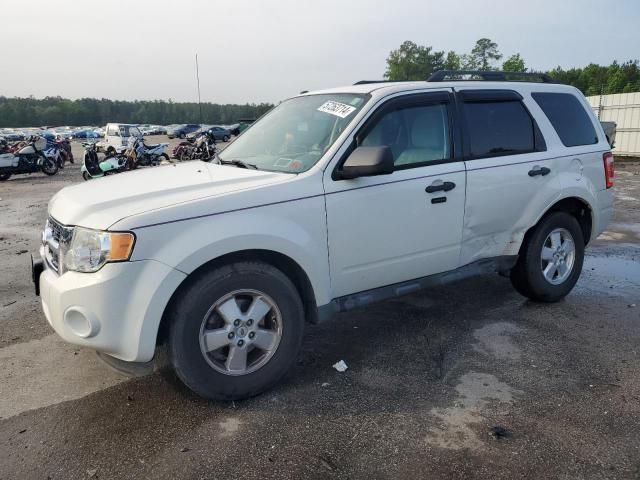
x,y
499,128
569,118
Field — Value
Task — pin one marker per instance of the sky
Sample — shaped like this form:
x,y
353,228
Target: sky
x,y
266,51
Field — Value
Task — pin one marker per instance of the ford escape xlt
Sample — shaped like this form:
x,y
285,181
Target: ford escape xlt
x,y
332,200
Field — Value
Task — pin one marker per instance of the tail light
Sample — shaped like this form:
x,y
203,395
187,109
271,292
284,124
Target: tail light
x,y
609,168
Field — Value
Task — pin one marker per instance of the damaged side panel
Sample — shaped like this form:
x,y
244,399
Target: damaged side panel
x,y
493,225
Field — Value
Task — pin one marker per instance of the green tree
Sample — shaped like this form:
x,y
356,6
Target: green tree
x,y
452,61
413,62
484,54
514,63
55,111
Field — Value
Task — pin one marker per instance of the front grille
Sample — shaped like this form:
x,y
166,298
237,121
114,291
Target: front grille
x,y
54,237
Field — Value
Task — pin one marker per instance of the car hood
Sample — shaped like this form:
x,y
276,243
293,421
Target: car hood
x,y
100,203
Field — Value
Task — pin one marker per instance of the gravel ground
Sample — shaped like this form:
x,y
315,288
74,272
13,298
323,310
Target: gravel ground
x,y
464,381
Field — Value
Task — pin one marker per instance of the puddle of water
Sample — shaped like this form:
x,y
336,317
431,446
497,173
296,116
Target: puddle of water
x,y
617,268
475,391
615,275
494,339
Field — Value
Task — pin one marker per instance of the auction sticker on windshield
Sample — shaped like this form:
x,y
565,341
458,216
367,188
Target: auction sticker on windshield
x,y
336,108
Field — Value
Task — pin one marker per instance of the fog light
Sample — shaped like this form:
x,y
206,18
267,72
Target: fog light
x,y
81,322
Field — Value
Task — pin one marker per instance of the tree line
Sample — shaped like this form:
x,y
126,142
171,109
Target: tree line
x,y
417,62
56,111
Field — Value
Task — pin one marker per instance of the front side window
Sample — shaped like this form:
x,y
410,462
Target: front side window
x,y
568,117
295,135
497,128
417,135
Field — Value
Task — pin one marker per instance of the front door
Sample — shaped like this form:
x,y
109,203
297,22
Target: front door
x,y
392,228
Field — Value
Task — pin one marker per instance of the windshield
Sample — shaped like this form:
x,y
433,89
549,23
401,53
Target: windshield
x,y
293,136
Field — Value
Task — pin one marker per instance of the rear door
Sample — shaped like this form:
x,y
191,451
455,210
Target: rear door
x,y
392,228
511,177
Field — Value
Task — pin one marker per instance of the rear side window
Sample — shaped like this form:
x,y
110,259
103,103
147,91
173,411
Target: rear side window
x,y
496,128
568,117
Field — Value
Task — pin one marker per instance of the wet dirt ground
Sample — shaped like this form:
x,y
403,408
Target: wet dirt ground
x,y
464,381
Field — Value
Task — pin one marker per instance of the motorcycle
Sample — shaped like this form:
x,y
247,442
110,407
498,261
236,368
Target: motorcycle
x,y
55,153
202,147
146,155
93,167
28,159
65,146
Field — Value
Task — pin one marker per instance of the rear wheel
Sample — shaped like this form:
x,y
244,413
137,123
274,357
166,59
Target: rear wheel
x,y
86,176
226,138
235,331
551,259
4,177
163,157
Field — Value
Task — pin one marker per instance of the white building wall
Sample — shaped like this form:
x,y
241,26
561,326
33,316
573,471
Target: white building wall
x,y
624,109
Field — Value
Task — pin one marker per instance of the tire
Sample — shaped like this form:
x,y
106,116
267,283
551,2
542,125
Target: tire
x,y
207,374
4,177
86,176
226,138
183,136
163,157
528,276
50,167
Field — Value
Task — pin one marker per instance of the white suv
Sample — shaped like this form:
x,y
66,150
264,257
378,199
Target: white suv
x,y
333,200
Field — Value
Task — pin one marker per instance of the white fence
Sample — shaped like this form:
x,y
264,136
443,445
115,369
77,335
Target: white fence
x,y
624,109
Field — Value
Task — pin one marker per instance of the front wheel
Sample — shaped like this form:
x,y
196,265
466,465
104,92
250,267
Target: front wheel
x,y
86,176
163,157
226,138
235,331
49,167
551,259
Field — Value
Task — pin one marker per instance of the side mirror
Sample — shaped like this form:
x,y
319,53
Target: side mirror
x,y
366,162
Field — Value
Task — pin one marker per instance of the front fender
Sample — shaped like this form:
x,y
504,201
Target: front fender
x,y
296,229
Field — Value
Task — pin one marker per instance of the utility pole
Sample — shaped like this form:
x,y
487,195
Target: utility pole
x,y
198,80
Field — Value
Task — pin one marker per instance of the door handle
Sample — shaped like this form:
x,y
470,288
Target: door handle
x,y
539,171
440,186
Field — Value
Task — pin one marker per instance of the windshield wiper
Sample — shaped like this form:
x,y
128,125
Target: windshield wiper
x,y
239,163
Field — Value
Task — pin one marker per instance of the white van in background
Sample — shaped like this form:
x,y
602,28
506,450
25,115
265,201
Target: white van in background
x,y
116,137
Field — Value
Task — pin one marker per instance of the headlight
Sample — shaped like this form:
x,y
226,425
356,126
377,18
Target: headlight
x,y
89,250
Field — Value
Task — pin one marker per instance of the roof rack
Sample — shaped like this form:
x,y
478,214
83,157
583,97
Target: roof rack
x,y
489,75
366,82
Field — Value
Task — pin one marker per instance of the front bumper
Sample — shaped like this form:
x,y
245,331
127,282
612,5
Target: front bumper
x,y
116,310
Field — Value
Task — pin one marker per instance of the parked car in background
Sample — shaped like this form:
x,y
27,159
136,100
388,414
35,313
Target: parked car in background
x,y
181,131
244,123
156,130
116,137
85,134
234,128
63,132
220,134
12,135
